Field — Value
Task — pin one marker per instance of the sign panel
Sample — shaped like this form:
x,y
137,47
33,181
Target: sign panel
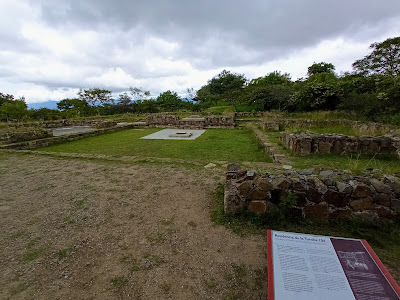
x,y
303,266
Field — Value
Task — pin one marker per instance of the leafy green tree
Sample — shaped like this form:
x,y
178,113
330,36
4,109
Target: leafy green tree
x,y
384,59
169,101
14,110
204,95
95,96
5,98
75,107
273,91
46,114
275,77
321,67
319,92
227,86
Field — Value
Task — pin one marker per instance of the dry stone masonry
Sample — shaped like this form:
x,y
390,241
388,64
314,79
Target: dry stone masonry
x,y
305,144
371,128
20,136
192,122
326,196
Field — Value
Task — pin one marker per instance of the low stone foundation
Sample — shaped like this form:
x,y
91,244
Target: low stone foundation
x,y
369,128
249,114
27,145
315,197
193,122
21,136
305,144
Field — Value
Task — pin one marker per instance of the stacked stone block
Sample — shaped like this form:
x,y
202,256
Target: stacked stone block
x,y
316,197
306,144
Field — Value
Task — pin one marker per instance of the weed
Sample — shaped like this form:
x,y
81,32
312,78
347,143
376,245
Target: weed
x,y
166,287
210,284
63,254
118,282
192,224
153,260
32,255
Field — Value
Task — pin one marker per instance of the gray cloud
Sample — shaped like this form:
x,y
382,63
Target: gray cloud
x,y
160,44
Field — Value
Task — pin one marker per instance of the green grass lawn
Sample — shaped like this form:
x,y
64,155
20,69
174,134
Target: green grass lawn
x,y
214,144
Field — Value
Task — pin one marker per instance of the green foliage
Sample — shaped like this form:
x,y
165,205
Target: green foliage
x,y
384,59
5,98
272,91
76,107
321,67
95,96
320,92
226,86
14,110
169,101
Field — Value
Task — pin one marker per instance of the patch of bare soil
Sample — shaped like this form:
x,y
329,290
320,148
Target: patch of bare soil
x,y
79,229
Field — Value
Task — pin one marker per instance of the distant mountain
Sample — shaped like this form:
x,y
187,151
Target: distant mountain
x,y
47,104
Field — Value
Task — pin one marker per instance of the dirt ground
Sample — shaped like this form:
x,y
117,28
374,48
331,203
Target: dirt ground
x,y
92,229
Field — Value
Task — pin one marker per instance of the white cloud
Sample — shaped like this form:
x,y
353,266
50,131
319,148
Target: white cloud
x,y
50,49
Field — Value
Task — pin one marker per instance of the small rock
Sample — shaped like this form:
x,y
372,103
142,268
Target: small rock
x,y
306,172
257,207
362,204
233,166
281,183
210,165
383,199
380,187
318,211
263,184
287,167
343,187
361,191
251,174
327,174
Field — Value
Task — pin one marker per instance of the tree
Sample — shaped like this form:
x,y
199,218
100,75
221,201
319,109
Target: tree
x,y
319,92
14,110
169,101
321,67
75,106
95,95
274,77
204,95
384,59
5,98
138,93
228,86
273,91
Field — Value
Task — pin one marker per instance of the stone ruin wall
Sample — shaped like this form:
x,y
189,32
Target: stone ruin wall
x,y
42,130
317,197
248,114
368,128
306,144
15,137
171,121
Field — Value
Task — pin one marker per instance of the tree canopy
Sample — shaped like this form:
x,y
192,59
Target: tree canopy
x,y
384,59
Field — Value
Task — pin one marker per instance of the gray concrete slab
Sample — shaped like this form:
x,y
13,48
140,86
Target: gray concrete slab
x,y
165,134
71,130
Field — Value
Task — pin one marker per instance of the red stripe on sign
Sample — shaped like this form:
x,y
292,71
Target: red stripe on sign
x,y
382,267
271,295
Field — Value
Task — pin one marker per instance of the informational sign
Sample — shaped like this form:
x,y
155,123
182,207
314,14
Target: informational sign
x,y
306,267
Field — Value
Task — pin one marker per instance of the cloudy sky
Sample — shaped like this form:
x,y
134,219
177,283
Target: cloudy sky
x,y
50,49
